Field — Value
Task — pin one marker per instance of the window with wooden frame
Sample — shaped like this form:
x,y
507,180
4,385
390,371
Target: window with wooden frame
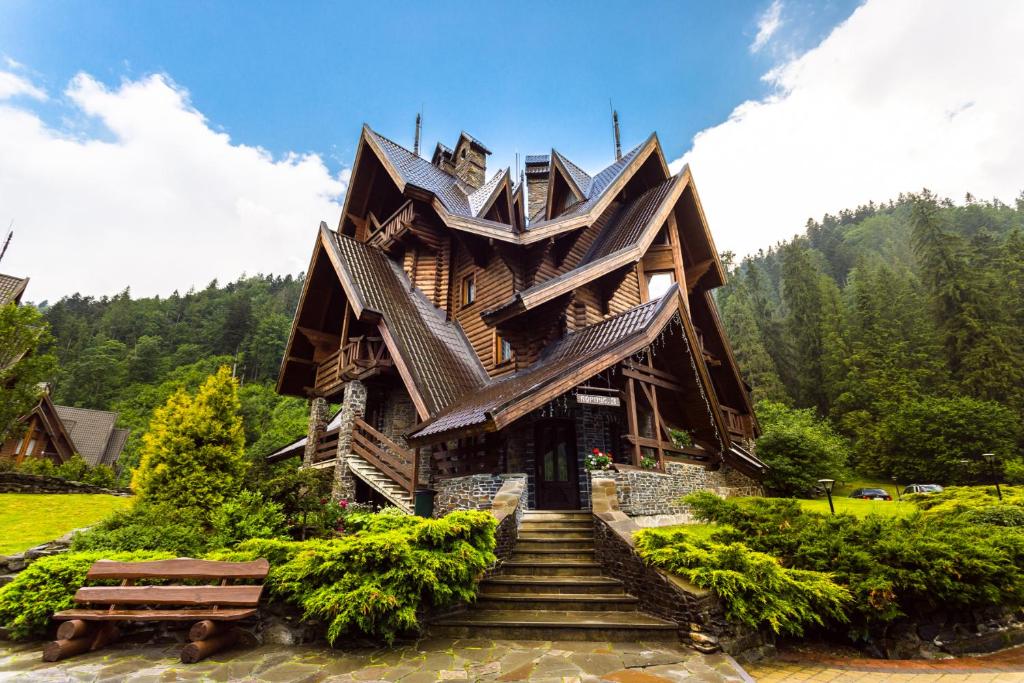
x,y
468,289
502,350
658,282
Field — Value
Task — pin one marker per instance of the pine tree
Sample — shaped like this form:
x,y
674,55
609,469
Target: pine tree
x,y
807,306
753,358
193,453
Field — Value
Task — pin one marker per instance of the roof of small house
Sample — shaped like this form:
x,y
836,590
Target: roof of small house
x,y
93,434
296,448
11,288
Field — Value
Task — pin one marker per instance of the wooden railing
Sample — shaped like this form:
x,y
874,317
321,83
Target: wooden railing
x,y
327,446
393,226
396,462
358,358
736,423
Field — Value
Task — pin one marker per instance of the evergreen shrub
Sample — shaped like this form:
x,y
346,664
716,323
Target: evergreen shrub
x,y
936,562
756,589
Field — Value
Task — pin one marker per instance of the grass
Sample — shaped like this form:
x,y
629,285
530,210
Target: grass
x,y
28,519
858,507
845,488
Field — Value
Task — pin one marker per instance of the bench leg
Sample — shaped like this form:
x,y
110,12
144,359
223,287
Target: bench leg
x,y
89,638
202,630
201,649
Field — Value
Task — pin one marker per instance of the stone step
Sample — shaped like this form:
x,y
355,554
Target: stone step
x,y
539,568
521,554
557,516
552,625
556,527
555,535
555,543
550,584
589,602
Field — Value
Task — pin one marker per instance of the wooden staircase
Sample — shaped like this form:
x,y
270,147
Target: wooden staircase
x,y
553,588
389,468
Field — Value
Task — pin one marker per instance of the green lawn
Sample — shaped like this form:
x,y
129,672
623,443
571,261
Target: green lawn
x,y
858,507
845,488
28,519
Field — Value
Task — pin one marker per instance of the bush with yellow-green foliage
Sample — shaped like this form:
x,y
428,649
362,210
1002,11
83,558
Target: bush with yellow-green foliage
x,y
374,581
193,453
756,589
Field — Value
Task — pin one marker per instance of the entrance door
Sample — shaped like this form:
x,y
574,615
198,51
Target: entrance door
x,y
558,484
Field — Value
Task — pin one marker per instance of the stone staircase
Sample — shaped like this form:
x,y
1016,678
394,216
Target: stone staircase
x,y
553,588
381,483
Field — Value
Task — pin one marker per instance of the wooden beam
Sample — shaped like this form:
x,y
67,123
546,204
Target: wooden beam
x,y
631,419
651,379
695,272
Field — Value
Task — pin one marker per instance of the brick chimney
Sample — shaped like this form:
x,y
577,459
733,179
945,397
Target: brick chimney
x,y
537,168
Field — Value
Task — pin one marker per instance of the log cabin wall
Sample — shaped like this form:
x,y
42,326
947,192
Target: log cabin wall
x,y
493,284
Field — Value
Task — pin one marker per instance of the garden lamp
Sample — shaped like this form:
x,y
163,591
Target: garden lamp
x,y
828,485
992,459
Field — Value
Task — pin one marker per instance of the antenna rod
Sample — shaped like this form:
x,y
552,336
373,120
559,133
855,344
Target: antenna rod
x,y
618,142
416,142
7,242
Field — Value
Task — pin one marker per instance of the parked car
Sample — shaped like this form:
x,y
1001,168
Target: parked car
x,y
871,494
923,488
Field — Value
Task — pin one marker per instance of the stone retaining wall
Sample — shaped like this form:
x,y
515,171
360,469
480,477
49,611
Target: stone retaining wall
x,y
19,482
472,492
507,508
643,492
12,565
699,613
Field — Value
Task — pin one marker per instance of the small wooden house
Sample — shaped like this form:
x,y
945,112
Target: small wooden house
x,y
56,433
474,328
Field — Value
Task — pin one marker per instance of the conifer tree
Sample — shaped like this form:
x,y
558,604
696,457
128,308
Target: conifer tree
x,y
22,368
193,453
753,358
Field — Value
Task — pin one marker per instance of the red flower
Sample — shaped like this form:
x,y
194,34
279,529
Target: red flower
x,y
343,504
597,451
323,501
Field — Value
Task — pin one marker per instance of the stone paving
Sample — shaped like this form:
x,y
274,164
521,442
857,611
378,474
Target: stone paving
x,y
1002,667
426,660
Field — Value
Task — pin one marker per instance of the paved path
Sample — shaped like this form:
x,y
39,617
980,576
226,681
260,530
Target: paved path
x,y
427,660
1002,667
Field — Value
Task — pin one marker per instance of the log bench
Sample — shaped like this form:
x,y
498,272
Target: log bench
x,y
212,608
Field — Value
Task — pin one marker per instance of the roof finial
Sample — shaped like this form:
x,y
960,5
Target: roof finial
x,y
7,242
416,141
618,142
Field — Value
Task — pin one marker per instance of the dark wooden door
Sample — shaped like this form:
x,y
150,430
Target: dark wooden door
x,y
558,483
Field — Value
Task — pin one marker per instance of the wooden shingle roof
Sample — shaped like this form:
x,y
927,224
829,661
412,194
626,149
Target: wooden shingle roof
x,y
11,288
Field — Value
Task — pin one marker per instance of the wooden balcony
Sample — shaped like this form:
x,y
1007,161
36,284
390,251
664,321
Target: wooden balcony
x,y
397,224
359,358
739,425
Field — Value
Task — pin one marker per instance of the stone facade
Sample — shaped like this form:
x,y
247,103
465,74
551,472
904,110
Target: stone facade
x,y
318,418
11,565
353,406
472,492
643,493
18,482
470,163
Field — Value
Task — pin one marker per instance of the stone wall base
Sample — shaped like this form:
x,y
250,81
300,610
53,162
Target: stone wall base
x,y
19,482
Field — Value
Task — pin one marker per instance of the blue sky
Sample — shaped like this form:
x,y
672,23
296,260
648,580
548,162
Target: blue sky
x,y
162,145
520,76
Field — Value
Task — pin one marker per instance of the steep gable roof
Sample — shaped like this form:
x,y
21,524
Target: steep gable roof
x,y
440,363
11,288
90,431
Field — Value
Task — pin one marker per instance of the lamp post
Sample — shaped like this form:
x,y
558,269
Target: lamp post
x,y
828,485
992,459
896,483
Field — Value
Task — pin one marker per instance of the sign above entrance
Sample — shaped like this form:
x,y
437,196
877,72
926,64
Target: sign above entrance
x,y
596,400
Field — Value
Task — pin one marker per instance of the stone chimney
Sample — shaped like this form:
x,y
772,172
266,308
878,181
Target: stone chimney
x,y
470,160
537,168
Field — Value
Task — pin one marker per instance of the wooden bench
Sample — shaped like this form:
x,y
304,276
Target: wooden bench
x,y
90,628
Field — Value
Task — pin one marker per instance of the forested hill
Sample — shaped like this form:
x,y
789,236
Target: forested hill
x,y
130,355
908,311
890,319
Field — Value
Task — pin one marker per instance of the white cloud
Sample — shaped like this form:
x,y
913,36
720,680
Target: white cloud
x,y
156,199
12,85
903,95
767,25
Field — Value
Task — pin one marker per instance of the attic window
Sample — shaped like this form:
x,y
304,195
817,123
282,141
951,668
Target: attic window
x,y
662,237
463,152
658,283
468,288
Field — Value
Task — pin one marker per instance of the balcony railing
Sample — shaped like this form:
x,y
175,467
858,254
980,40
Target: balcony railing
x,y
397,223
737,423
392,459
358,358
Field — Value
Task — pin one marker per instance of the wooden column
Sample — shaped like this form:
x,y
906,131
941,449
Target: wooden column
x,y
634,431
657,416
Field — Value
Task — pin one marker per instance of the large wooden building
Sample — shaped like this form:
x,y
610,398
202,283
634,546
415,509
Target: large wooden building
x,y
489,326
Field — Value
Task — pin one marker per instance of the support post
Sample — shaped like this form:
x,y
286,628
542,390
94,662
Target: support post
x,y
634,430
353,407
315,431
